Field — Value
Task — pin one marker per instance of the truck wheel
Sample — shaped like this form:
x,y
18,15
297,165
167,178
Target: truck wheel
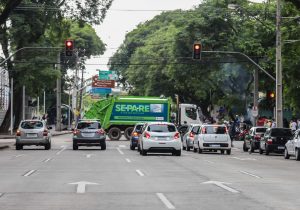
x,y
114,134
128,132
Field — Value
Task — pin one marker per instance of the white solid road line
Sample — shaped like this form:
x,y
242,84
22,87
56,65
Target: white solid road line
x,y
222,185
89,155
19,155
47,160
60,151
123,146
165,201
1,194
81,186
209,161
128,160
139,172
243,158
29,173
120,151
245,172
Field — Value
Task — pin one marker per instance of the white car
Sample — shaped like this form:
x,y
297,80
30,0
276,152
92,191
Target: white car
x,y
292,147
188,138
160,137
213,138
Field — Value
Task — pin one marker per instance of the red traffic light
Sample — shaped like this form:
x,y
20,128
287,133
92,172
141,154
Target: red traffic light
x,y
197,46
197,51
69,43
69,47
272,95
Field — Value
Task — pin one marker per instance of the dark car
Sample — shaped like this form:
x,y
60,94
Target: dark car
x,y
274,140
137,130
252,139
89,133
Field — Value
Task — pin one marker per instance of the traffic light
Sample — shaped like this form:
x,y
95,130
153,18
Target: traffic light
x,y
69,47
271,95
197,51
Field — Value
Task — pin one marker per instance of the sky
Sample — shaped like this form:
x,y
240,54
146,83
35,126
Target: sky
x,y
117,23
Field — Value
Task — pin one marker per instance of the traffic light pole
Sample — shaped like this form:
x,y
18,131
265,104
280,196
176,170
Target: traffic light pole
x,y
58,98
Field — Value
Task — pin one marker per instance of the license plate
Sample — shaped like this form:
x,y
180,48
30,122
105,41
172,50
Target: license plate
x,y
214,145
31,135
280,147
88,134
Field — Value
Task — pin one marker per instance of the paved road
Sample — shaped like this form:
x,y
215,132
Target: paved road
x,y
35,179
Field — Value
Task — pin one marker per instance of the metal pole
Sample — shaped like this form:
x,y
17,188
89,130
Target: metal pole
x,y
58,98
69,114
81,90
12,106
44,110
255,93
38,108
23,103
279,111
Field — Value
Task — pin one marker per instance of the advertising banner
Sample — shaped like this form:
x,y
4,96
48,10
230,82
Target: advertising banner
x,y
139,112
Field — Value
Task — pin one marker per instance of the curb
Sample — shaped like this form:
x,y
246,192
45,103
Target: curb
x,y
4,147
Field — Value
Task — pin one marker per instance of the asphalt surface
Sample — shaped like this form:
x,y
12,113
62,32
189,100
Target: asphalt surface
x,y
36,179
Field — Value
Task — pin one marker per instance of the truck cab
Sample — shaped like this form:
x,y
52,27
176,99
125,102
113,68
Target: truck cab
x,y
188,114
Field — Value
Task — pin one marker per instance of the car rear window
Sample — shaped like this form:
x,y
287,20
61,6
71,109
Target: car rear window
x,y
261,130
214,130
281,132
32,125
138,127
88,125
161,128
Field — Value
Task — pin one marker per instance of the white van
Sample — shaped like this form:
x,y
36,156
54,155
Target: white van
x,y
213,138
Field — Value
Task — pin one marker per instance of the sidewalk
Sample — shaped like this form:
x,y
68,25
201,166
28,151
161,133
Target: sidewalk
x,y
8,140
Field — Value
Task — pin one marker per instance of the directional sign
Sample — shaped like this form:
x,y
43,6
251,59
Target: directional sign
x,y
107,75
101,90
102,83
81,186
222,185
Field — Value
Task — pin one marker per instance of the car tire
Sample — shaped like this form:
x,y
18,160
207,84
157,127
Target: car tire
x,y
267,152
228,152
138,148
75,146
297,154
114,134
48,146
127,132
188,148
132,147
199,150
286,154
103,145
19,147
251,149
183,147
178,153
144,152
260,150
222,152
245,149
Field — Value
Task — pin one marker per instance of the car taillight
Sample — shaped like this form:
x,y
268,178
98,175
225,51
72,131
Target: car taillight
x,y
257,137
269,141
18,133
177,135
100,131
135,134
191,134
147,135
45,132
76,132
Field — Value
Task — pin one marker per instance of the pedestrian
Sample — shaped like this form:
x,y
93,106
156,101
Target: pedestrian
x,y
298,123
293,126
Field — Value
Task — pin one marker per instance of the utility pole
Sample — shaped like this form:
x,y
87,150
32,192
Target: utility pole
x,y
58,98
23,104
255,94
12,106
81,90
38,108
279,110
44,110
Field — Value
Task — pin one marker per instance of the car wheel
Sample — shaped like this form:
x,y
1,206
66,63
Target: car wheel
x,y
114,134
178,153
127,132
19,147
286,154
260,150
228,152
222,152
188,148
267,150
251,148
144,152
75,146
194,148
103,145
297,154
183,147
132,147
245,149
48,146
138,148
199,149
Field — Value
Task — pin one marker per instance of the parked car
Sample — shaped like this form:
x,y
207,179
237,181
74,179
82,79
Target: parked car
x,y
89,133
292,147
134,137
213,138
160,137
252,140
274,140
33,132
188,138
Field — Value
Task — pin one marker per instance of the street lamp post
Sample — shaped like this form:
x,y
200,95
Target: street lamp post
x,y
279,111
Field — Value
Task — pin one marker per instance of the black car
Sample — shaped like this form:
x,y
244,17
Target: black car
x,y
134,137
274,140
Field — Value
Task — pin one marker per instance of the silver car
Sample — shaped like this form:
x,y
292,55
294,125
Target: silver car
x,y
33,132
89,133
292,147
160,137
188,138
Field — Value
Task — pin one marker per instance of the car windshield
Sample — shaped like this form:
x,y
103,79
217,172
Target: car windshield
x,y
88,125
32,125
261,130
214,130
161,128
281,132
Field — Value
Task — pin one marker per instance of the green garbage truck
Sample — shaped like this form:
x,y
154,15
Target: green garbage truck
x,y
119,114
